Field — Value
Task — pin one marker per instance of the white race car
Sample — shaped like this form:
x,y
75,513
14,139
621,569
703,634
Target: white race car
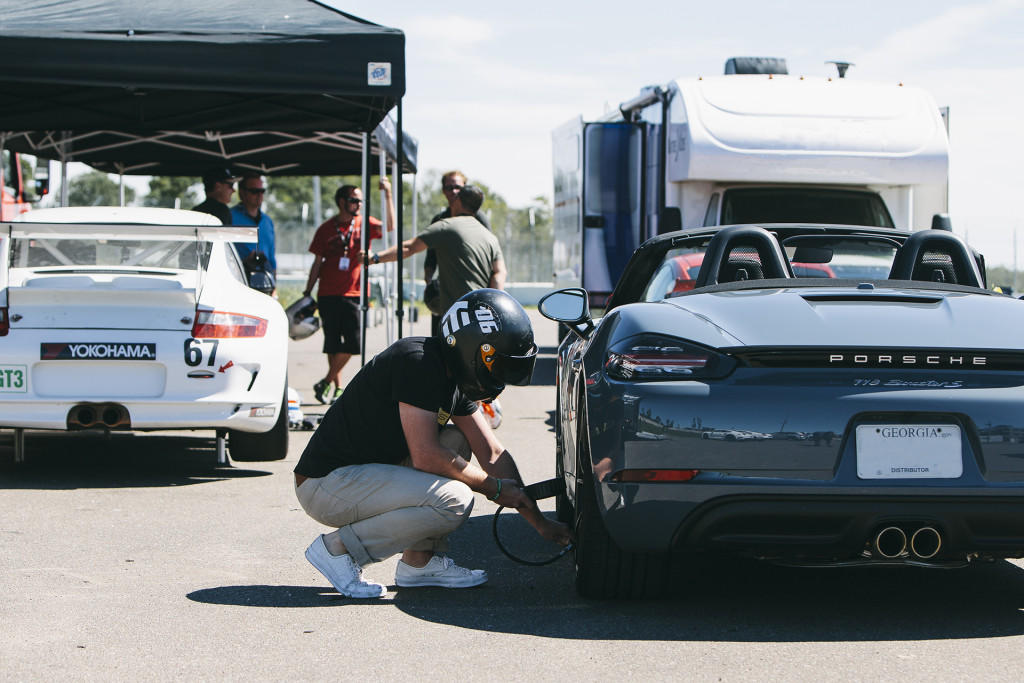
x,y
139,319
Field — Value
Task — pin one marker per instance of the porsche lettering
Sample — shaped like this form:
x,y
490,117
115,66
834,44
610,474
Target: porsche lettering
x,y
903,360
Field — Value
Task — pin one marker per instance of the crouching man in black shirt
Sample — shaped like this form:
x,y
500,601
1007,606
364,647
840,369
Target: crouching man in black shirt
x,y
391,475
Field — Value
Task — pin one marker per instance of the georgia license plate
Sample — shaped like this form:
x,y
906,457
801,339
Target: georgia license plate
x,y
909,451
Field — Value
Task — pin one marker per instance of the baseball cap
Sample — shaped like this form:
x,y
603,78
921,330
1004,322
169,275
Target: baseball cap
x,y
220,174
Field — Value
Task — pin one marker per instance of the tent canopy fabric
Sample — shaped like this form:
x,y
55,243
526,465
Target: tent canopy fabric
x,y
170,87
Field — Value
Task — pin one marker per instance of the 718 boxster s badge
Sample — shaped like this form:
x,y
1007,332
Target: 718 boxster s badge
x,y
836,419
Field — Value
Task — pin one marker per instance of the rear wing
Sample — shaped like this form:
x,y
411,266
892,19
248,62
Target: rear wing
x,y
113,231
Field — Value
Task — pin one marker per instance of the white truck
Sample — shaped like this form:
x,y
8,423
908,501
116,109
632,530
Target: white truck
x,y
754,145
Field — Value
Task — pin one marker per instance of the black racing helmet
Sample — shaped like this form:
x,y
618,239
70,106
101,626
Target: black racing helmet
x,y
488,343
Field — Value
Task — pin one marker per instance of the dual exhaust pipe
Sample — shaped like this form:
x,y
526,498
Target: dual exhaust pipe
x,y
892,542
99,416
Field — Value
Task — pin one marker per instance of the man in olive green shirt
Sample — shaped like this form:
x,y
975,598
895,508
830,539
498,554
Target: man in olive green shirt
x,y
468,254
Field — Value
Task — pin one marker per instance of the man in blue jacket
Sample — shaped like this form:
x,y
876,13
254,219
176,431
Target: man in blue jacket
x,y
248,212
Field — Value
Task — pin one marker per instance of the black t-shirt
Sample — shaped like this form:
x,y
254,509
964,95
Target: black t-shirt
x,y
215,208
364,426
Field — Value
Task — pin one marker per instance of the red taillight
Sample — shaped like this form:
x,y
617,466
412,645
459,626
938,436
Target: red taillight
x,y
222,325
4,325
670,361
657,476
647,357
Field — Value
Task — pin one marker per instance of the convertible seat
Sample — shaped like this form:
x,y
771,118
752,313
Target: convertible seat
x,y
742,252
936,256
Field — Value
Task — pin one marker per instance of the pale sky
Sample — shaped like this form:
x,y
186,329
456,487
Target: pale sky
x,y
488,82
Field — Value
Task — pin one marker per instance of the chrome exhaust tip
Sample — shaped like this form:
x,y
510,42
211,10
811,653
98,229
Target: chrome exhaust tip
x,y
926,543
890,542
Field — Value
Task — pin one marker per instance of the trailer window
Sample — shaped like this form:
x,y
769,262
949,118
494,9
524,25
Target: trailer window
x,y
804,205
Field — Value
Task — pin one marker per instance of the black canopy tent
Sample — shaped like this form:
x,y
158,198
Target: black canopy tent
x,y
233,65
286,87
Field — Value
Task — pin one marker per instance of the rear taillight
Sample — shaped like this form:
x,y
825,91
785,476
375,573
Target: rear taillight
x,y
653,357
222,325
4,325
653,476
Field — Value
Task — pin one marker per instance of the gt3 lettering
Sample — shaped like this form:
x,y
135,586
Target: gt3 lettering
x,y
194,351
12,378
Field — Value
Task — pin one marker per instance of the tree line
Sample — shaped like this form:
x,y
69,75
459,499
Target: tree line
x,y
524,232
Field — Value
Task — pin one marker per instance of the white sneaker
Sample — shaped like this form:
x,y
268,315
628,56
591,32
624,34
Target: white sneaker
x,y
342,571
440,571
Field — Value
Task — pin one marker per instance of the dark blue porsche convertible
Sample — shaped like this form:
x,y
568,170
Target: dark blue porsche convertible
x,y
870,411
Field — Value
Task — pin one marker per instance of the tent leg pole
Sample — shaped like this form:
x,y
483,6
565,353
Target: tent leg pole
x,y
400,156
365,244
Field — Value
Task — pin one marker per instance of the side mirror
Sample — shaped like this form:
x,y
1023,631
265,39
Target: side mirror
x,y
570,307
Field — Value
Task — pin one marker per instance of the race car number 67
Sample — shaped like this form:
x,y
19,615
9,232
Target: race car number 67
x,y
194,352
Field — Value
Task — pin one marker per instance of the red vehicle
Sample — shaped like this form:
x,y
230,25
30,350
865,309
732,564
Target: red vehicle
x,y
680,273
16,192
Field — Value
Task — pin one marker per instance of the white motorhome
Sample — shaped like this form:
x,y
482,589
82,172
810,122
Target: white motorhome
x,y
754,145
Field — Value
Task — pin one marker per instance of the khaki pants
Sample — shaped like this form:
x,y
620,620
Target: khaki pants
x,y
381,510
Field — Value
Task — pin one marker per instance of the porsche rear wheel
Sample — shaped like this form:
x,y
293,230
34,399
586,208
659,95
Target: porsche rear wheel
x,y
602,569
265,446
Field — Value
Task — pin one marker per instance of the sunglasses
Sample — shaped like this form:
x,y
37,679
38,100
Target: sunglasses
x,y
255,190
452,188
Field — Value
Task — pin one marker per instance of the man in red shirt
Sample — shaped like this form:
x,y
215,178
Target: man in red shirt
x,y
336,264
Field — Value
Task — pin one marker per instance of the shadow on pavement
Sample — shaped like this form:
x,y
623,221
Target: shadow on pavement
x,y
62,460
716,599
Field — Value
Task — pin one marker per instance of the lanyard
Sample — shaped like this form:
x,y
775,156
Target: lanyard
x,y
346,237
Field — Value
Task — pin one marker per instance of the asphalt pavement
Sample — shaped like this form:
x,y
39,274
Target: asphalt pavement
x,y
136,557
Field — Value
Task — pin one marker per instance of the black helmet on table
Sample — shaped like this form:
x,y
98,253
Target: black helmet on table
x,y
301,321
488,343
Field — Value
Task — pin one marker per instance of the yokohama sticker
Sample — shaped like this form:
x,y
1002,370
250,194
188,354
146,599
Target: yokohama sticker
x,y
96,351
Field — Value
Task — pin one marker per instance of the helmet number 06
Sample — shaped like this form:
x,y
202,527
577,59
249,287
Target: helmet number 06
x,y
485,317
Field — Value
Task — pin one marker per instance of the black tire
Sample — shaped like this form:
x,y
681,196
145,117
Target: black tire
x,y
265,446
601,568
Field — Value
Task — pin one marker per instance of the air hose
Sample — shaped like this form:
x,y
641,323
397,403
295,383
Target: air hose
x,y
539,491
